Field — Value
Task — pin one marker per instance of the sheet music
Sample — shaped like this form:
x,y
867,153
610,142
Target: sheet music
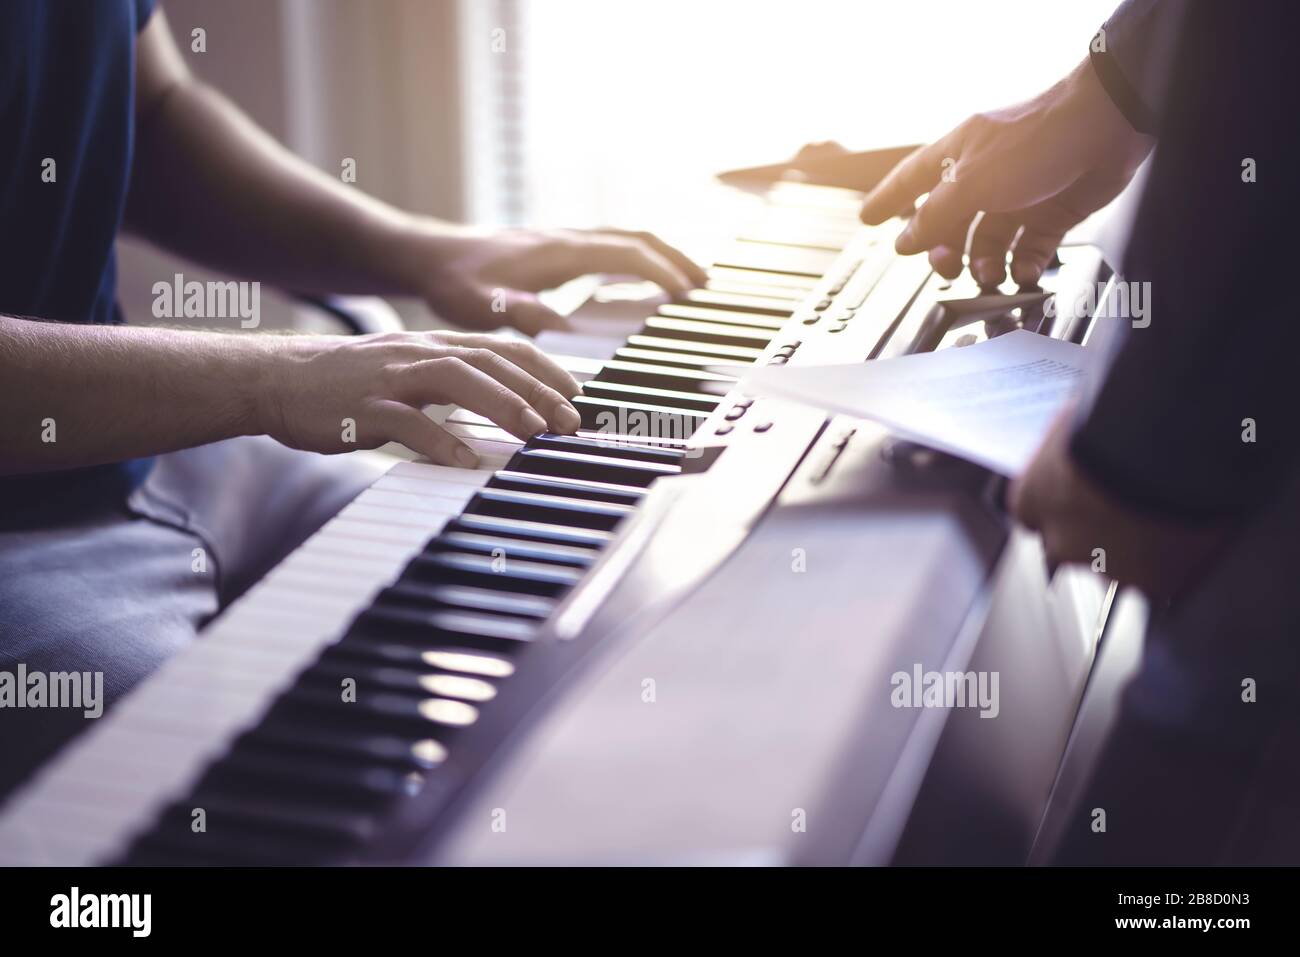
x,y
991,403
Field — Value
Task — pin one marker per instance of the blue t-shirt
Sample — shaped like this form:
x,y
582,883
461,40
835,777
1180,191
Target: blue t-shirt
x,y
67,88
67,91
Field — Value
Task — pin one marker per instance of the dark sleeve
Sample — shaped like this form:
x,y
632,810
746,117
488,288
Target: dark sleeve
x,y
1164,431
1132,54
143,11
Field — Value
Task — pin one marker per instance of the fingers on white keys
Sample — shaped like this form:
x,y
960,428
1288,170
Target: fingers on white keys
x,y
415,430
458,379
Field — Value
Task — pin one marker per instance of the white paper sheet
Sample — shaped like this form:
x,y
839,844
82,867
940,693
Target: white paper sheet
x,y
991,402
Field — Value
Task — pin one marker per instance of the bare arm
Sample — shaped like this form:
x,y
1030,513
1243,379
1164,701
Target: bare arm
x,y
209,183
75,395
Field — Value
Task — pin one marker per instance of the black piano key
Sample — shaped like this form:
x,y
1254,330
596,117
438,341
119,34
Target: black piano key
x,y
427,681
705,333
659,377
668,344
277,775
233,846
638,437
471,662
728,317
572,488
529,506
515,548
229,813
488,572
622,417
753,302
419,714
671,361
391,623
440,563
593,465
651,394
551,499
415,590
406,752
534,530
616,450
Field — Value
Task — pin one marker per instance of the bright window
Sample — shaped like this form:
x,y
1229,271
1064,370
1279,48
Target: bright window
x,y
620,111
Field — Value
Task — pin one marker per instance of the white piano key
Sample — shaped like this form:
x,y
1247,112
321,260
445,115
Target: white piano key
x,y
556,342
127,778
262,641
327,543
287,599
288,604
493,461
284,588
306,580
461,415
224,667
415,499
77,842
278,648
395,534
335,567
495,433
439,473
304,620
386,516
114,783
419,486
311,576
583,368
169,707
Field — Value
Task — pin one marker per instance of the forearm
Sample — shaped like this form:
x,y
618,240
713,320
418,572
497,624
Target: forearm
x,y
75,395
212,186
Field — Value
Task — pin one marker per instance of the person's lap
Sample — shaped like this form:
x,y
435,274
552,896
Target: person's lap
x,y
122,586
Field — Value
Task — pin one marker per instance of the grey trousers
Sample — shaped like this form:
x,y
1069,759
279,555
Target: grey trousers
x,y
121,585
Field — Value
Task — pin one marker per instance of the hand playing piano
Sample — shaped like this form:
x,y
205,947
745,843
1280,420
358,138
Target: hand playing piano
x,y
1033,170
340,393
485,280
1076,517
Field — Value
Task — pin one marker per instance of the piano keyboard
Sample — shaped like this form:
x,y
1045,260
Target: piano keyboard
x,y
339,686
